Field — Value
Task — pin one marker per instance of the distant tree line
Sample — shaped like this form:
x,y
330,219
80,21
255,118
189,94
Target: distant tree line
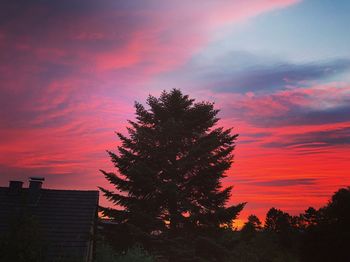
x,y
316,235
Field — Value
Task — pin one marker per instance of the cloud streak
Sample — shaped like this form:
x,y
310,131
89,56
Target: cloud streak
x,y
315,105
243,72
324,138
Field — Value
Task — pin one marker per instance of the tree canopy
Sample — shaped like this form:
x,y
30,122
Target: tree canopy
x,y
170,170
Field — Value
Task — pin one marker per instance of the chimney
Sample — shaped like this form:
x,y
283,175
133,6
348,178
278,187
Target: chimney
x,y
15,187
35,183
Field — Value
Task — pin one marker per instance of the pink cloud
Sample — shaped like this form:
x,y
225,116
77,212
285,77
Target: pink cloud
x,y
72,83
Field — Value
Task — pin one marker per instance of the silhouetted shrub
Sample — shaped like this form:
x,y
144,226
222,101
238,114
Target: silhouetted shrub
x,y
105,253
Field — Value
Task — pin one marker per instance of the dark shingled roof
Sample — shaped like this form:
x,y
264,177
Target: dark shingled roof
x,y
66,218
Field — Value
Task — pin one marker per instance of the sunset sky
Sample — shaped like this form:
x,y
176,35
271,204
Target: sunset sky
x,y
70,72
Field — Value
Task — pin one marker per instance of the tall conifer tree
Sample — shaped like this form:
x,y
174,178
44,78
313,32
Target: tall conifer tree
x,y
170,168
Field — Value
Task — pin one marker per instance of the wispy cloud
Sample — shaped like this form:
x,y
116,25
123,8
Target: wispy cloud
x,y
324,138
243,72
282,182
315,105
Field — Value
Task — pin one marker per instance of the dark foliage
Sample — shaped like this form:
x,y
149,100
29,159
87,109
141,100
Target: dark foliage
x,y
168,185
327,230
277,220
321,235
251,227
23,241
276,241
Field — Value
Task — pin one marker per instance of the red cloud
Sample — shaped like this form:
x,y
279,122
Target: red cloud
x,y
69,81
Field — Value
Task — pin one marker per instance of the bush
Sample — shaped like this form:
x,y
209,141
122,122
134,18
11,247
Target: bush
x,y
105,253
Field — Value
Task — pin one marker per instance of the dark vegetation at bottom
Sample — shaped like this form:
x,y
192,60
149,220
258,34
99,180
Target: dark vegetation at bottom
x,y
315,235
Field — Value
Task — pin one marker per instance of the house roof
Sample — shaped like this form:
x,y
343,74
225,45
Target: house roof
x,y
65,217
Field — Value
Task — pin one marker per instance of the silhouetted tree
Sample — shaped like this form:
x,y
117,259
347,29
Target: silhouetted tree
x,y
284,226
310,218
338,209
257,245
277,220
170,170
327,235
251,227
255,222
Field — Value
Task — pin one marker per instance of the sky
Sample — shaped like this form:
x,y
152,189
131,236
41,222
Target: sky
x,y
278,70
